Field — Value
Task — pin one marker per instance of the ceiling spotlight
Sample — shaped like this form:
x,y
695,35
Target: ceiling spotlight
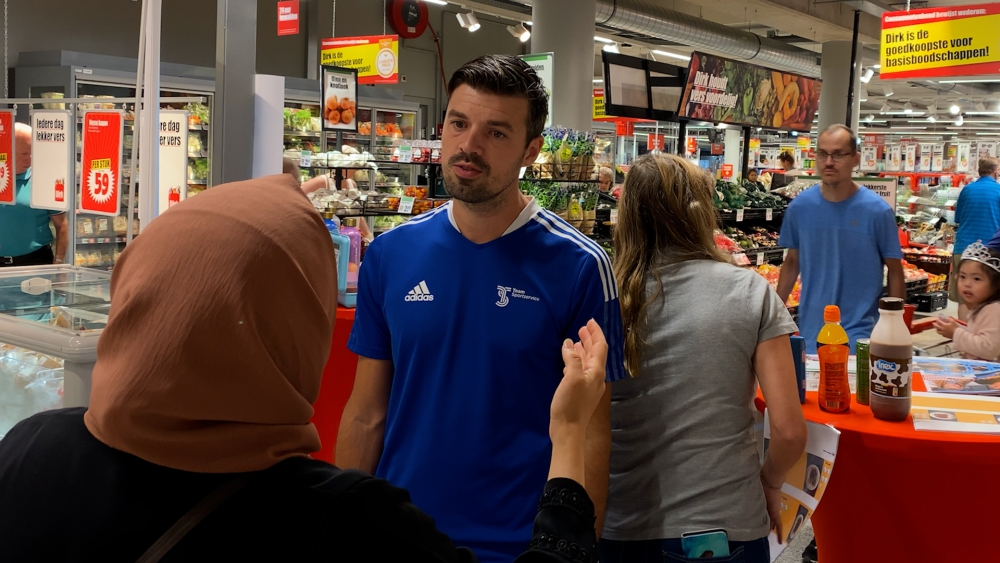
x,y
668,54
886,107
887,90
468,21
612,48
870,118
960,121
931,118
954,109
980,106
867,76
908,108
602,40
519,31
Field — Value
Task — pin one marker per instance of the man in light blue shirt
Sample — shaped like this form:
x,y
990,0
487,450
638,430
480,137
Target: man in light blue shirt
x,y
25,236
978,218
839,235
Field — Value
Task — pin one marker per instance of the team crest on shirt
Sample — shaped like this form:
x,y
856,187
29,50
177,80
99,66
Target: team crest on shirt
x,y
508,293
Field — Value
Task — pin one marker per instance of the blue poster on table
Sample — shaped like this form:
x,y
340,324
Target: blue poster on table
x,y
954,375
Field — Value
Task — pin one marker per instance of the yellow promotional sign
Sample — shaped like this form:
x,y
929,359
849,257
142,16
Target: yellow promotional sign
x,y
939,42
375,57
599,103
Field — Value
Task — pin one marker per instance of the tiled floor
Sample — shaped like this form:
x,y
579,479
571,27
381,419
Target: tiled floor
x,y
932,344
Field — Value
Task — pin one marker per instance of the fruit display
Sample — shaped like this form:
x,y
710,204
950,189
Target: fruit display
x,y
301,120
771,274
733,196
339,110
757,238
566,154
725,243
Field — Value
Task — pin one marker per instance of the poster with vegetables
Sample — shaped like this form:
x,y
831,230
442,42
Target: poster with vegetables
x,y
726,91
340,98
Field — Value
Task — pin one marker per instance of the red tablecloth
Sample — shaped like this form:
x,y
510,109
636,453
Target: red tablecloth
x,y
897,494
338,382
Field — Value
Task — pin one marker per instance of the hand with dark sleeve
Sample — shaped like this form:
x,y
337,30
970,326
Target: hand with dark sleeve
x,y
564,526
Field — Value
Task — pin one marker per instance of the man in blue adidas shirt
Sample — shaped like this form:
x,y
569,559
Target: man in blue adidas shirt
x,y
460,313
978,216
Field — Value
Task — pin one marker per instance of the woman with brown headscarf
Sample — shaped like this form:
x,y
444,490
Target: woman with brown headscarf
x,y
221,321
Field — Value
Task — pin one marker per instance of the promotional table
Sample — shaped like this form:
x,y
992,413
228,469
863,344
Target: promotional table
x,y
338,382
897,494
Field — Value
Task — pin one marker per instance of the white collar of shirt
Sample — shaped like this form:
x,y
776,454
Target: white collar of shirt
x,y
522,219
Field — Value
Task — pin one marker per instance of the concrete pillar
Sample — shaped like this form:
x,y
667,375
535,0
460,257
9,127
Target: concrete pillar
x,y
566,28
835,72
733,153
233,108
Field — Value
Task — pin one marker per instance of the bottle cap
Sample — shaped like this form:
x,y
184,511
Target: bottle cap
x,y
890,304
831,314
327,214
350,222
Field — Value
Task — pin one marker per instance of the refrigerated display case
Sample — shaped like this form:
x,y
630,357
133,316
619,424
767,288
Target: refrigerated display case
x,y
97,241
51,318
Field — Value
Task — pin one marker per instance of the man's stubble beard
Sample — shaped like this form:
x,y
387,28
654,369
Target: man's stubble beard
x,y
484,195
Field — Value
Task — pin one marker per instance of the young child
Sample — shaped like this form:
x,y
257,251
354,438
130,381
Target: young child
x,y
979,286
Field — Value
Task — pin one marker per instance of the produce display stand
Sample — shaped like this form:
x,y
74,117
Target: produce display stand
x,y
897,494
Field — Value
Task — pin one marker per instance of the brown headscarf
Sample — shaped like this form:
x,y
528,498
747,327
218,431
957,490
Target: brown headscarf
x,y
222,313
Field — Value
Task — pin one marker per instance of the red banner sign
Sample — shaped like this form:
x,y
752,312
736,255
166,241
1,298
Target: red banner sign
x,y
7,180
101,179
727,171
624,128
288,17
692,146
718,148
655,142
874,140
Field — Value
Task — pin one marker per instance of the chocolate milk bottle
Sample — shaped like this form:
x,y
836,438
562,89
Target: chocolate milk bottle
x,y
890,358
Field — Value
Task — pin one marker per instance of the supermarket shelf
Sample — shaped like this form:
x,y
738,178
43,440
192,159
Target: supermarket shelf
x,y
751,214
199,154
316,134
197,127
198,182
102,240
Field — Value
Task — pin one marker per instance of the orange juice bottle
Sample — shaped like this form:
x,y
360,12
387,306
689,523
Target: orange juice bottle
x,y
833,348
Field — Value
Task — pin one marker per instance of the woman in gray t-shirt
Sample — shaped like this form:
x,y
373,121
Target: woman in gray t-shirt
x,y
699,333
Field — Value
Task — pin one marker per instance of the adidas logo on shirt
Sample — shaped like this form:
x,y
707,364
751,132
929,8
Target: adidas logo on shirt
x,y
419,293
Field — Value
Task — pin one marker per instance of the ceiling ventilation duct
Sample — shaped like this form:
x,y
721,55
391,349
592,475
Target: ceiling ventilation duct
x,y
646,18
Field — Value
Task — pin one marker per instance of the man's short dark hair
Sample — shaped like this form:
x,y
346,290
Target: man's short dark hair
x,y
841,127
988,166
506,75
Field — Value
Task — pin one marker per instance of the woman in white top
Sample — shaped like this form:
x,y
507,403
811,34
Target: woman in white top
x,y
700,332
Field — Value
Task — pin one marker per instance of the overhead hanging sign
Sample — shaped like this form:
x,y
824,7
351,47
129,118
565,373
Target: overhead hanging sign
x,y
288,17
51,158
962,163
173,155
340,97
655,142
910,158
937,42
895,158
869,158
374,57
542,65
7,166
101,162
726,91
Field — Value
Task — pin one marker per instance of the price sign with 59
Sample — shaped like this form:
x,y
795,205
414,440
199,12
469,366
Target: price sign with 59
x,y
7,195
102,162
